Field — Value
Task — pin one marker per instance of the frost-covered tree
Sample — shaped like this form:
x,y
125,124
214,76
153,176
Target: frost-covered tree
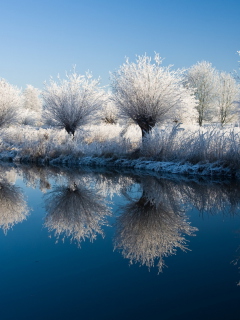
x,y
31,99
10,103
148,93
109,112
238,61
203,78
72,102
32,105
227,97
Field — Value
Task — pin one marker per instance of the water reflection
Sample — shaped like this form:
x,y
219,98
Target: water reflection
x,y
153,226
76,212
113,183
212,198
13,207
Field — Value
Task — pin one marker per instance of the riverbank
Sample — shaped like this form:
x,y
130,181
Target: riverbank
x,y
203,152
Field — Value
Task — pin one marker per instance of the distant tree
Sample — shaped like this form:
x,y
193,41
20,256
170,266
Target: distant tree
x,y
109,112
32,105
148,93
31,99
227,97
72,102
237,77
10,103
203,78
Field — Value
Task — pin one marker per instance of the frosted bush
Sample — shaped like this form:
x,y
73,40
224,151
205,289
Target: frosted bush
x,y
101,133
203,145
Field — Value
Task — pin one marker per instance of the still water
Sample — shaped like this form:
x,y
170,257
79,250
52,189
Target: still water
x,y
78,244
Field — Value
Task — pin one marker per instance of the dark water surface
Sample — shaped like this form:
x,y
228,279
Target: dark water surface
x,y
104,245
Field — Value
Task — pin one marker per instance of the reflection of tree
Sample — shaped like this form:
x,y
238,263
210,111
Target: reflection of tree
x,y
113,183
75,212
212,198
152,226
37,176
13,208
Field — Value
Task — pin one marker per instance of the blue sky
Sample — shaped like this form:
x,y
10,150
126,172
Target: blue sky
x,y
39,39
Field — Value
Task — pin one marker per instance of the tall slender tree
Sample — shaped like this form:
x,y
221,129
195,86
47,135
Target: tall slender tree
x,y
203,78
227,98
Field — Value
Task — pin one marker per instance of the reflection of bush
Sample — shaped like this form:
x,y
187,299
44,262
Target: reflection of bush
x,y
13,208
152,227
75,212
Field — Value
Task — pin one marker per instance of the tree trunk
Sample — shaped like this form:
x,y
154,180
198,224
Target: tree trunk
x,y
146,125
69,129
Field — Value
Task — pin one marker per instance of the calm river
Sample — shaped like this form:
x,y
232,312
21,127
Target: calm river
x,y
79,244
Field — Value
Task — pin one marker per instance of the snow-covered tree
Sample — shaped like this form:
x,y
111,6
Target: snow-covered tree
x,y
148,93
227,97
72,102
235,73
31,99
10,103
32,105
203,78
109,112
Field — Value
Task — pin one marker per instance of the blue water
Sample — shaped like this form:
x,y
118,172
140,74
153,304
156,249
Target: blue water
x,y
49,275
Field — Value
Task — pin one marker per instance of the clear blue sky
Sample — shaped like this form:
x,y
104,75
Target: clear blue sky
x,y
39,39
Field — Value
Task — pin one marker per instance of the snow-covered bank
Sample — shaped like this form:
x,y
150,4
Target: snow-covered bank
x,y
201,169
207,169
204,152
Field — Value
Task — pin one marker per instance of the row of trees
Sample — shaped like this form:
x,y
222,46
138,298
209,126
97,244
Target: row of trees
x,y
144,92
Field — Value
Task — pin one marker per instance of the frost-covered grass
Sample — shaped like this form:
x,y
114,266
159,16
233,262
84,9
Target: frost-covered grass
x,y
194,146
189,149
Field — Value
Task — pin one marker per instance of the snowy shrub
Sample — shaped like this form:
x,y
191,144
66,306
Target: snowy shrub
x,y
29,117
204,145
163,145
